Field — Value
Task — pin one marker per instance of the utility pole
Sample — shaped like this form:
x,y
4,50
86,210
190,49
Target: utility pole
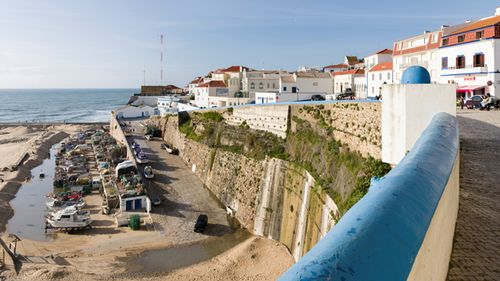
x,y
161,59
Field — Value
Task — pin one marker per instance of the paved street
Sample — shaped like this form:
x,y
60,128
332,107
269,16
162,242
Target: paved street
x,y
476,248
182,193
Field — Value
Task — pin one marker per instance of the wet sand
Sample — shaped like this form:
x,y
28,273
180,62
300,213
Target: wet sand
x,y
109,253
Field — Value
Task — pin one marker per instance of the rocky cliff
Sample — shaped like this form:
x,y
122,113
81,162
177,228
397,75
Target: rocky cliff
x,y
290,189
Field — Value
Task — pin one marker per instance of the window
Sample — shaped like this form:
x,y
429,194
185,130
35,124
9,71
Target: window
x,y
479,60
252,85
268,85
461,38
261,85
444,63
294,89
479,34
315,83
460,62
274,86
373,76
434,38
388,76
445,42
380,76
284,89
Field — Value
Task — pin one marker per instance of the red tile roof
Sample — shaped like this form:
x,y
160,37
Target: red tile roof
x,y
197,80
213,84
383,52
382,66
479,24
340,65
234,68
351,72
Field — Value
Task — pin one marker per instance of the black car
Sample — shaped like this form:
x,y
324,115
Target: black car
x,y
201,223
317,97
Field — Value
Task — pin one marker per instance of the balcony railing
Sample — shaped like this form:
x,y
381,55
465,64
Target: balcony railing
x,y
465,69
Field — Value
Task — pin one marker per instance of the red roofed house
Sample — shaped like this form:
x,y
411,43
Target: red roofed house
x,y
232,76
343,81
470,57
215,93
377,76
380,57
193,84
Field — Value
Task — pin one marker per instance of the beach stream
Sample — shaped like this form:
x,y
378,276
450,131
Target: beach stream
x,y
29,205
164,260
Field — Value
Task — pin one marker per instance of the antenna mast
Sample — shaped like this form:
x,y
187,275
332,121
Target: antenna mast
x,y
161,59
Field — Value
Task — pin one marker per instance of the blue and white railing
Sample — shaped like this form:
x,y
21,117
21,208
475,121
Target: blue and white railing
x,y
402,229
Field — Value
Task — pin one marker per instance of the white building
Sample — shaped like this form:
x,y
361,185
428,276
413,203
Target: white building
x,y
382,56
130,111
193,84
168,105
344,80
335,67
360,87
377,76
205,93
261,81
298,87
417,50
470,57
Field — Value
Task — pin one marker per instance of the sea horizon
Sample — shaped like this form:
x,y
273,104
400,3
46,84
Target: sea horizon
x,y
60,105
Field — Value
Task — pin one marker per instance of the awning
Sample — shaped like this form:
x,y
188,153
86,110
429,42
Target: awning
x,y
465,89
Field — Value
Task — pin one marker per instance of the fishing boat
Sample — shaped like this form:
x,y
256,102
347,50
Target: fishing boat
x,y
69,218
55,203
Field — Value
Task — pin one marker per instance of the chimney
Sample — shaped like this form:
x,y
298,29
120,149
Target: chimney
x,y
497,12
426,31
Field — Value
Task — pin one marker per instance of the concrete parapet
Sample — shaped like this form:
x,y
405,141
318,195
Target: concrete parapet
x,y
402,229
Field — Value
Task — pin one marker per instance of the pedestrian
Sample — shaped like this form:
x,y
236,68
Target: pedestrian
x,y
462,101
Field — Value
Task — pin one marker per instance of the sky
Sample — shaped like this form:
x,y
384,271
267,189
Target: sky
x,y
110,44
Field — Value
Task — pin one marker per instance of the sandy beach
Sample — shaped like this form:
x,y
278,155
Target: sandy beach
x,y
106,252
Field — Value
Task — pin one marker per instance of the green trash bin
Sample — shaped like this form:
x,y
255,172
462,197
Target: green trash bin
x,y
134,222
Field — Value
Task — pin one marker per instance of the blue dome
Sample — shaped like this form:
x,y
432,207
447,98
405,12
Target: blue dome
x,y
416,75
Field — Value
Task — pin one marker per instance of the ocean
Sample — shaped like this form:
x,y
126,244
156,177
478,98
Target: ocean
x,y
61,105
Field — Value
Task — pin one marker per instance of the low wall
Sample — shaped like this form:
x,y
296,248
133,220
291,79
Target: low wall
x,y
116,131
402,229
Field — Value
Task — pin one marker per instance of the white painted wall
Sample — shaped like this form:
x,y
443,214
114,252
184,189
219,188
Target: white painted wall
x,y
270,97
375,81
134,111
315,85
407,110
469,76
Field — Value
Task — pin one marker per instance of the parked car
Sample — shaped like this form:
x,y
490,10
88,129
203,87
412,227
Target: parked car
x,y
317,97
148,172
473,102
155,200
345,96
169,148
142,158
201,223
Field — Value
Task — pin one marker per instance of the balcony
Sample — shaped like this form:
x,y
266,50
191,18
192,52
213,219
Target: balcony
x,y
468,69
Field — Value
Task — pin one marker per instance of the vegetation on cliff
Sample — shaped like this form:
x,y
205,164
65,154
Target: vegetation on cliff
x,y
342,173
